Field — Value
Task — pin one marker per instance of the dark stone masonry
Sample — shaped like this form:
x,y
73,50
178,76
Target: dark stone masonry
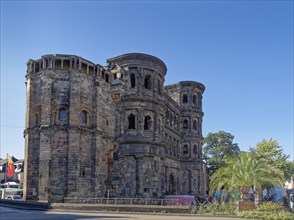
x,y
116,130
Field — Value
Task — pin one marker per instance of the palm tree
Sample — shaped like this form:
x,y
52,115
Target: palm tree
x,y
240,173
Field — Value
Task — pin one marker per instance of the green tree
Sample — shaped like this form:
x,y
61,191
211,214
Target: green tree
x,y
288,169
242,172
217,148
270,151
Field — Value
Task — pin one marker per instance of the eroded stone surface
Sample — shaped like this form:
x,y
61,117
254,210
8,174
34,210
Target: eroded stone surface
x,y
93,130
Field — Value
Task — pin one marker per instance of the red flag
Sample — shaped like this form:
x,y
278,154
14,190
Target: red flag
x,y
10,166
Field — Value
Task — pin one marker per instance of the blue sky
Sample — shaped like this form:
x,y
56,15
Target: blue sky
x,y
242,51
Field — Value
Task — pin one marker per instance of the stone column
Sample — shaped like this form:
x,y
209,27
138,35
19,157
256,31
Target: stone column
x,y
61,67
70,63
44,63
139,78
80,63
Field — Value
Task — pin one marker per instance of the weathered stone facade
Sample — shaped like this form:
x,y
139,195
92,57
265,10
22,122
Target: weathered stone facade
x,y
91,129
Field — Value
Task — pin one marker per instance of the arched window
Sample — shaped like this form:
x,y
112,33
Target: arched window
x,y
147,122
147,82
185,149
132,122
194,99
185,124
175,121
167,117
195,149
84,117
195,125
171,122
133,80
63,115
107,78
185,99
37,119
171,187
174,147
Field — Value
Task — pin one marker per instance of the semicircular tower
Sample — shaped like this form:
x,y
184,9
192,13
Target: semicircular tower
x,y
140,115
188,94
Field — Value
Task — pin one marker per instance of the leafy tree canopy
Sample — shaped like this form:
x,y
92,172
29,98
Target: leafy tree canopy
x,y
218,147
270,151
242,172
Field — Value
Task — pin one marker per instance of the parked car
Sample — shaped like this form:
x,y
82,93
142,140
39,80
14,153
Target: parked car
x,y
14,197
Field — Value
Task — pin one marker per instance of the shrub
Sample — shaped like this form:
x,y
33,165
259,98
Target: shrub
x,y
268,215
269,207
216,209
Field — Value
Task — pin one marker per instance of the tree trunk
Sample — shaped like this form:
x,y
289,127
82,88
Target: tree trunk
x,y
244,194
257,197
268,192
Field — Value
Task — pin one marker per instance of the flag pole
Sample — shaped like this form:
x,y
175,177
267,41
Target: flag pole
x,y
6,170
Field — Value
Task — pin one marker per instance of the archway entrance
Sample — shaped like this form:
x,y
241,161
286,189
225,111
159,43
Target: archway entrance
x,y
171,184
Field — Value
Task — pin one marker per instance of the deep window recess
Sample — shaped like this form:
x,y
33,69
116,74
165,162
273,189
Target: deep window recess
x,y
185,149
131,119
63,115
185,124
195,150
133,80
147,122
37,119
84,117
167,117
195,125
147,82
185,98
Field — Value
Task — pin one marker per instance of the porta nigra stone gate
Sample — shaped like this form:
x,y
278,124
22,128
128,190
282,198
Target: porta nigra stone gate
x,y
115,130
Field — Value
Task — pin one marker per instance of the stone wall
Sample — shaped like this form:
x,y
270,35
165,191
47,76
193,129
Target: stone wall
x,y
93,130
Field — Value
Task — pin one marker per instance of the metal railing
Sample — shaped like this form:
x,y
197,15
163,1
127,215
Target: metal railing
x,y
126,201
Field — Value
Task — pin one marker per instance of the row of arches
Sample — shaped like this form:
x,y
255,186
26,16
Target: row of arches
x,y
132,122
190,99
171,119
63,117
196,150
180,182
195,124
148,82
174,148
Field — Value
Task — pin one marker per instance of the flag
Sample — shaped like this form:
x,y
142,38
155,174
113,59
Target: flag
x,y
10,166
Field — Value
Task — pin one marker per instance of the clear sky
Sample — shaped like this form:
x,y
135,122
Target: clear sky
x,y
242,51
